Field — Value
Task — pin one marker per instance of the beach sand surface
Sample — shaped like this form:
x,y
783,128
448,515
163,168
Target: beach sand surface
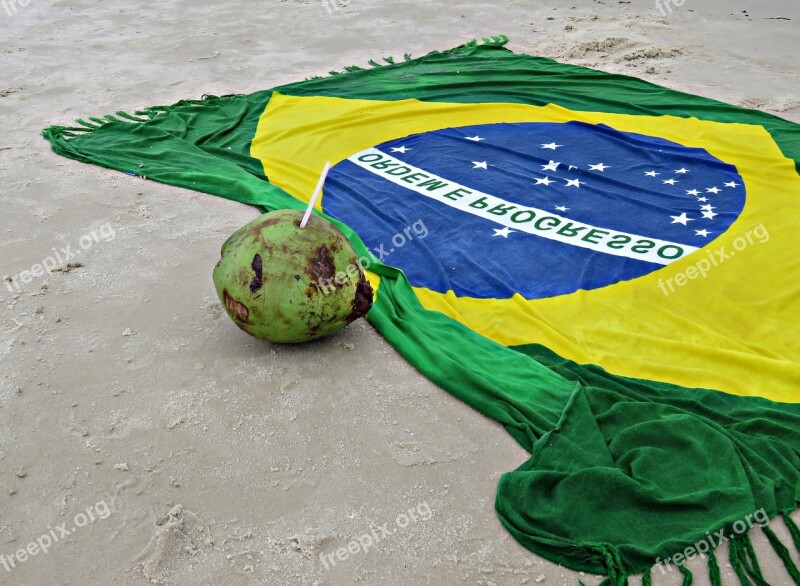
x,y
221,459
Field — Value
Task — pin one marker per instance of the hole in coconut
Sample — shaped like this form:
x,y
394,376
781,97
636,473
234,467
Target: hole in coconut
x,y
257,281
238,310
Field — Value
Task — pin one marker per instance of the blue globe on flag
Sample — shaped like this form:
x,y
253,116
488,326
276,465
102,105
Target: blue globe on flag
x,y
584,205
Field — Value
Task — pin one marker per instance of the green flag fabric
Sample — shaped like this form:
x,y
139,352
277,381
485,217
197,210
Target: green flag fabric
x,y
632,321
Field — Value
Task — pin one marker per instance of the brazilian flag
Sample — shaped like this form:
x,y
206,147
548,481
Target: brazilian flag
x,y
608,268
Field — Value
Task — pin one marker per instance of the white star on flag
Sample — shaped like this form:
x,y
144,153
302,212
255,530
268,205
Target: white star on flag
x,y
707,207
714,190
504,232
732,184
670,182
703,233
545,181
574,183
400,149
693,192
552,146
682,219
479,165
475,138
652,173
551,166
562,208
702,199
598,167
710,215
682,171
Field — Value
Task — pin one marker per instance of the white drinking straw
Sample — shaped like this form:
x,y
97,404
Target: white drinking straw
x,y
316,194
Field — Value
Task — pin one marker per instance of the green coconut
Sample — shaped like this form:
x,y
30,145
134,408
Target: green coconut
x,y
282,283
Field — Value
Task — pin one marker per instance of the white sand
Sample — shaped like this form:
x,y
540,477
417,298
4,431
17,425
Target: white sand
x,y
227,461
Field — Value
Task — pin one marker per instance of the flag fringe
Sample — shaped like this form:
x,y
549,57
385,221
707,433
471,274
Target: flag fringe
x,y
714,575
794,531
496,41
751,561
734,556
742,555
744,562
783,553
647,577
687,576
615,571
58,135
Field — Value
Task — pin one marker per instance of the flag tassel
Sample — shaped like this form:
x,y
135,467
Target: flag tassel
x,y
783,553
735,559
794,531
615,571
714,575
751,562
744,562
687,576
